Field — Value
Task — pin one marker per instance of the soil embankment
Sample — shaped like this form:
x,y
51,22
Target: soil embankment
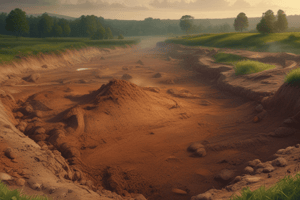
x,y
124,123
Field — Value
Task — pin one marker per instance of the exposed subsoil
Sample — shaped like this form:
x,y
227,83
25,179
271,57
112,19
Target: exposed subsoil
x,y
126,121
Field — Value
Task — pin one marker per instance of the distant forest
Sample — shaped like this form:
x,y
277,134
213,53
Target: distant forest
x,y
86,25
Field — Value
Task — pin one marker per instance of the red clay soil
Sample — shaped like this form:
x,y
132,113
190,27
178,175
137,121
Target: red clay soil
x,y
132,136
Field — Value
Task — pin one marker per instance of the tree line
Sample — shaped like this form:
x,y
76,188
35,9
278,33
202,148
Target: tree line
x,y
18,24
269,23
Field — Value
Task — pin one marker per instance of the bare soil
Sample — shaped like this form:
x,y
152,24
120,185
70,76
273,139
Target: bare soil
x,y
130,136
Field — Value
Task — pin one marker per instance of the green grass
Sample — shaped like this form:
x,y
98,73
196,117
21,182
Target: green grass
x,y
293,77
6,194
11,48
251,66
287,188
227,58
275,42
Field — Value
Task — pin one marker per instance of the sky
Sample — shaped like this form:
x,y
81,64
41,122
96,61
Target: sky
x,y
163,9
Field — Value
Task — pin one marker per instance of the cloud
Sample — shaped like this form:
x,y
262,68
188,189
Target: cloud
x,y
204,5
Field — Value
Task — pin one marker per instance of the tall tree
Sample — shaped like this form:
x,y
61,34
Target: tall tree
x,y
281,24
16,22
64,24
267,23
241,22
99,34
186,23
108,34
45,25
57,30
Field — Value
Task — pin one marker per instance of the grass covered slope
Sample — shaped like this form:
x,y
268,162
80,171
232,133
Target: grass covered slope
x,y
11,47
275,42
287,188
6,194
227,58
251,66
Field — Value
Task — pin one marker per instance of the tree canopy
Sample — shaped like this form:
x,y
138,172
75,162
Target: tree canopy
x,y
16,22
45,25
241,22
267,23
108,34
186,23
281,24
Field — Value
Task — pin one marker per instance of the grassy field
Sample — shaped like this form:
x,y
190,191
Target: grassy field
x,y
12,48
6,194
275,42
287,188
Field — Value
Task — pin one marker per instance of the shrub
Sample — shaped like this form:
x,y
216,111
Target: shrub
x,y
227,58
293,77
250,66
120,37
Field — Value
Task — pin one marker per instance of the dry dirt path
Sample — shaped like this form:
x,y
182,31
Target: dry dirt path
x,y
133,138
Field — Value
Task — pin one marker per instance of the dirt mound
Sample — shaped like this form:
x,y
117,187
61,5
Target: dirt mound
x,y
119,90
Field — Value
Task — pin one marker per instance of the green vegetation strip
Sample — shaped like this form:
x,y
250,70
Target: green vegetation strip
x,y
227,58
12,48
6,194
293,77
274,42
287,188
250,66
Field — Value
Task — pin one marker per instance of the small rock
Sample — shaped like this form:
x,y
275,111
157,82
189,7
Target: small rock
x,y
157,75
8,153
280,151
139,197
254,163
39,130
248,170
280,162
28,109
204,196
237,179
5,177
259,108
259,171
44,66
255,119
283,132
297,146
252,179
18,115
195,146
20,182
125,68
102,58
33,77
225,175
179,191
38,113
269,168
35,186
82,182
201,152
289,121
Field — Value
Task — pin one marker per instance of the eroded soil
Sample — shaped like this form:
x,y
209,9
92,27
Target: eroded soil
x,y
129,134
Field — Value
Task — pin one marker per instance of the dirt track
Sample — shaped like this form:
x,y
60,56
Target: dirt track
x,y
132,137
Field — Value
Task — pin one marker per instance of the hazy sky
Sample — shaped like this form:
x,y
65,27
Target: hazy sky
x,y
163,9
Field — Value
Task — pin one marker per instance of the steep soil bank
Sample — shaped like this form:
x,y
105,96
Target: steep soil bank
x,y
51,61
